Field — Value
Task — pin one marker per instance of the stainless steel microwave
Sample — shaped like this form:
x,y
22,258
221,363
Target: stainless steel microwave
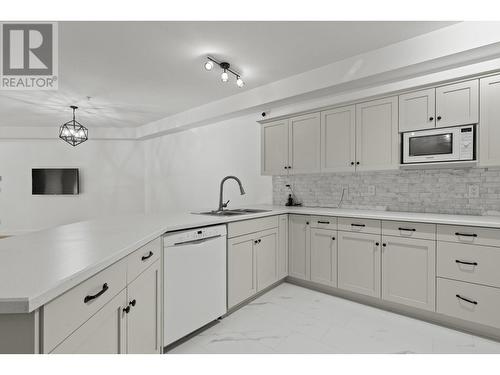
x,y
440,145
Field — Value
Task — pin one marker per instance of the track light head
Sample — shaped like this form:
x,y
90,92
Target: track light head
x,y
239,82
209,65
224,76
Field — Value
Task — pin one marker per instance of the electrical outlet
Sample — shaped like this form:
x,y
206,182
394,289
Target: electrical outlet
x,y
473,191
371,190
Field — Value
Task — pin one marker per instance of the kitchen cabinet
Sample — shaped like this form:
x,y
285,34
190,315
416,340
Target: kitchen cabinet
x,y
324,256
267,258
241,270
103,333
304,144
299,247
489,129
144,316
283,246
417,110
359,263
377,137
457,104
338,139
409,271
252,261
274,148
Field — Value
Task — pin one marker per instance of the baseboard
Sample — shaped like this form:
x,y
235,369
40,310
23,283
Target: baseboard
x,y
427,316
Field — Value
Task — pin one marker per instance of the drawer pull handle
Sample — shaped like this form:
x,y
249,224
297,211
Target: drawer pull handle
x,y
408,229
466,299
323,222
358,225
103,290
466,234
146,257
468,263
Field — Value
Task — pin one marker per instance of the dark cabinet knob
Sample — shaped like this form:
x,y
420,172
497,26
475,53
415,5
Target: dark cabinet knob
x,y
333,238
384,244
285,167
357,163
431,118
352,163
439,118
289,167
376,244
126,309
307,223
256,242
132,303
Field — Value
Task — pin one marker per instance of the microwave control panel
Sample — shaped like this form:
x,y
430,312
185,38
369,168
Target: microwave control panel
x,y
467,143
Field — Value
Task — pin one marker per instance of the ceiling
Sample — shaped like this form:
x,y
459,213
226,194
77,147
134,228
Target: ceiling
x,y
138,72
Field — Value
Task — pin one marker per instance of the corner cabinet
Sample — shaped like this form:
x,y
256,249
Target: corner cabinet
x,y
489,129
377,137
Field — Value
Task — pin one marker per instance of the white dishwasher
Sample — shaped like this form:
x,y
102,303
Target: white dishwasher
x,y
194,280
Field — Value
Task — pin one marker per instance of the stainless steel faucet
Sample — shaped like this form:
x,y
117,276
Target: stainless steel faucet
x,y
223,205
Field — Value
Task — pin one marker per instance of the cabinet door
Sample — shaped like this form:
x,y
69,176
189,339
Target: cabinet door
x,y
283,246
457,104
338,139
489,129
103,333
241,270
417,110
143,319
274,148
409,271
359,263
299,247
377,137
304,144
266,252
324,256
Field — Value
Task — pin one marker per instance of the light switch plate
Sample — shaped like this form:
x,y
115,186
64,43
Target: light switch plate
x,y
473,191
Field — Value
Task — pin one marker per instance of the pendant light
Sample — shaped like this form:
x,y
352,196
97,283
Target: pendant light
x,y
73,132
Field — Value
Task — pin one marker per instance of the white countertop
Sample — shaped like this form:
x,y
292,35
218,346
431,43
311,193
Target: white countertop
x,y
37,267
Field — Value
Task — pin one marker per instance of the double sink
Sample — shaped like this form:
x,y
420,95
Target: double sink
x,y
239,211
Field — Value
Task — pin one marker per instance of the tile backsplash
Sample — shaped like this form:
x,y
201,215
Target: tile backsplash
x,y
474,191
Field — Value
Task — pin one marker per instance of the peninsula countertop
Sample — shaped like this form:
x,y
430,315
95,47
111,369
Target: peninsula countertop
x,y
38,267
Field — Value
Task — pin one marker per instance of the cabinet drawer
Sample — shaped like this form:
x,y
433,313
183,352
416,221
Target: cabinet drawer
x,y
470,235
408,229
66,313
359,225
141,259
240,228
482,306
323,222
475,264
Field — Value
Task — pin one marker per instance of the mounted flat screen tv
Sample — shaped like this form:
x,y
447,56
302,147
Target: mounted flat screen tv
x,y
55,181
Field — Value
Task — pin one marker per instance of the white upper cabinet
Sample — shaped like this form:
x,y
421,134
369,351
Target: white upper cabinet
x,y
417,110
377,137
489,129
457,104
304,144
338,139
274,148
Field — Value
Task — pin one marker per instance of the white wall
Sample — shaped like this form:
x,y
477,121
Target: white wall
x,y
183,170
111,177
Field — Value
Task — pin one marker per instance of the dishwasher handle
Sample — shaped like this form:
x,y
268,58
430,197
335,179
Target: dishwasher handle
x,y
195,242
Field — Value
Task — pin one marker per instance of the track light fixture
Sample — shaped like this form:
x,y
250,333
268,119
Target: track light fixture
x,y
226,69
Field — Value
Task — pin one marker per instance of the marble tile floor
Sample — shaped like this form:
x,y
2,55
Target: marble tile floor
x,y
290,319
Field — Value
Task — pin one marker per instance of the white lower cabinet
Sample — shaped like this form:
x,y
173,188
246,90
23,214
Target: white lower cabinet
x,y
409,271
359,263
241,277
103,333
144,316
324,256
252,262
299,249
283,246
